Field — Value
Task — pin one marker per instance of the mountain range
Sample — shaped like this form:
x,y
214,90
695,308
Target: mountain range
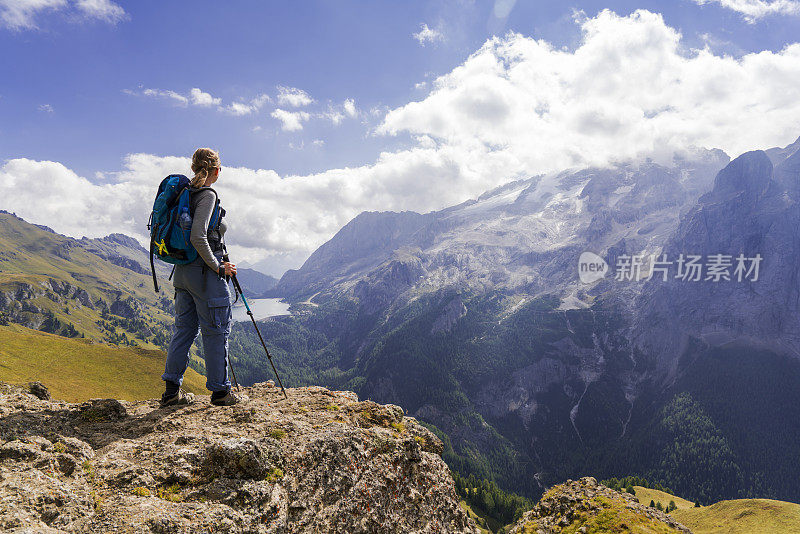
x,y
474,319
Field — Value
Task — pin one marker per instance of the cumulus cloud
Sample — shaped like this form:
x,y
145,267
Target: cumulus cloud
x,y
291,121
427,35
47,108
294,97
199,98
516,107
628,89
22,14
752,10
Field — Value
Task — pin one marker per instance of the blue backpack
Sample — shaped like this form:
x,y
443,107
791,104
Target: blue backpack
x,y
170,223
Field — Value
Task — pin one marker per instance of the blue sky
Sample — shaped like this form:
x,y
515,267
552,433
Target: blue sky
x,y
333,50
88,82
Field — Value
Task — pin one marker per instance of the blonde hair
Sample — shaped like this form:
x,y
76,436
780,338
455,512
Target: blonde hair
x,y
203,161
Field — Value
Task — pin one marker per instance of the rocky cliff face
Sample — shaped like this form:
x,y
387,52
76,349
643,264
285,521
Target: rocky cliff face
x,y
751,211
320,461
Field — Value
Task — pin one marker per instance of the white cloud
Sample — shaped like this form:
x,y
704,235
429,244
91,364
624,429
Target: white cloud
x,y
350,108
629,88
246,108
170,95
22,14
291,121
292,96
752,10
336,114
428,35
199,98
333,115
101,10
47,108
516,107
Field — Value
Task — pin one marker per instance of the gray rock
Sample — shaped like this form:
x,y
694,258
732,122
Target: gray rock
x,y
39,390
296,465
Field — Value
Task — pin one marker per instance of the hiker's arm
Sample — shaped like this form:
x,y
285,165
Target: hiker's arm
x,y
199,235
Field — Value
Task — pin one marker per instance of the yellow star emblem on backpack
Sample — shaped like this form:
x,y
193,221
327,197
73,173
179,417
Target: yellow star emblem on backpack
x,y
162,248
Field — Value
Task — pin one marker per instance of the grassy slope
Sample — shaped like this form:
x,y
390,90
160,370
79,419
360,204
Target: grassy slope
x,y
645,495
78,369
742,516
738,516
31,255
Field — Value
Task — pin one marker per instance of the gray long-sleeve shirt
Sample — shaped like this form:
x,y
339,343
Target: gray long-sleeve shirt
x,y
202,208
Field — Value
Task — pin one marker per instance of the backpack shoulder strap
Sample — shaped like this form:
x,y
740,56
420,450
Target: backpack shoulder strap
x,y
217,213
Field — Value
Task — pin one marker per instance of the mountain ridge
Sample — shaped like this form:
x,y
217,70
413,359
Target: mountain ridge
x,y
477,323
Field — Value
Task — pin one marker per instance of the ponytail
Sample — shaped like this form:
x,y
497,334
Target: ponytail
x,y
199,178
203,160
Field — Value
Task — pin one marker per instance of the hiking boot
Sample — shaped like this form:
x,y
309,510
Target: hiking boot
x,y
180,398
228,400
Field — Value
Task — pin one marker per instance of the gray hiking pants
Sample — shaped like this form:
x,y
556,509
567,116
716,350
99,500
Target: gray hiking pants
x,y
202,304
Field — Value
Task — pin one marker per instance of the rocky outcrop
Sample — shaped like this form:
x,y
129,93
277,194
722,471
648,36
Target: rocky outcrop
x,y
128,307
586,506
454,311
320,461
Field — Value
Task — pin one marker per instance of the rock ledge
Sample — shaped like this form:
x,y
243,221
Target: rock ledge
x,y
320,461
583,505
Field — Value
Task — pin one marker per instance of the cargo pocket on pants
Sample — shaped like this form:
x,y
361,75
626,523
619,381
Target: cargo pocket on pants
x,y
220,310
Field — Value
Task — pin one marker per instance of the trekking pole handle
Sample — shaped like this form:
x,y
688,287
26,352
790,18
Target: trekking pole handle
x,y
225,259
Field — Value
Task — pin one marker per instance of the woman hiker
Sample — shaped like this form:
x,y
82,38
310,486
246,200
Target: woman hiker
x,y
202,300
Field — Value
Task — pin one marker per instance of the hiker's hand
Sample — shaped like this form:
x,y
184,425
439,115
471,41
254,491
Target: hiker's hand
x,y
227,269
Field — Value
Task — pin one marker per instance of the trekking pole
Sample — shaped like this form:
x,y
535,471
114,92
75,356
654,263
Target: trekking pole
x,y
235,382
238,288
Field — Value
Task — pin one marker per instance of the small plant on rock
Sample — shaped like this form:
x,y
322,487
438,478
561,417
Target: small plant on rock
x,y
170,493
275,474
399,427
